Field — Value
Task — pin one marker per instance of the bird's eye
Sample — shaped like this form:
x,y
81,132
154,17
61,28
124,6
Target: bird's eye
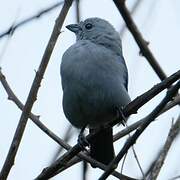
x,y
88,26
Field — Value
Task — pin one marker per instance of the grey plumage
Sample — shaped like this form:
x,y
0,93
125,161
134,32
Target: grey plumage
x,y
94,77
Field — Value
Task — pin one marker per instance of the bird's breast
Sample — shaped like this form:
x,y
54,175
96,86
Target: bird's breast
x,y
92,85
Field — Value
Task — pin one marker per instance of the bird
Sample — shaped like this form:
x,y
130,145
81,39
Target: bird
x,y
94,80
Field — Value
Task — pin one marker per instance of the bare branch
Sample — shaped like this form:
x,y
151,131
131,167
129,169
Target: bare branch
x,y
175,178
84,170
176,101
150,167
133,11
14,27
135,156
33,92
143,45
6,44
174,131
170,94
123,162
144,98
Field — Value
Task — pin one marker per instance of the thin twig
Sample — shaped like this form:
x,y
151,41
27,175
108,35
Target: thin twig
x,y
77,6
84,170
175,178
14,27
135,156
138,163
174,131
123,162
6,44
143,45
133,11
33,92
68,134
170,94
150,167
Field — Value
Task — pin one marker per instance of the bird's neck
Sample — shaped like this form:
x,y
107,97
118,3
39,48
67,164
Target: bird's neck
x,y
110,43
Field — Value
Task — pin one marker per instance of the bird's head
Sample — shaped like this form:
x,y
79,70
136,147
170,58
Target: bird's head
x,y
98,31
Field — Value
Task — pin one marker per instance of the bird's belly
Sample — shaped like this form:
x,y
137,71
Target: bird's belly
x,y
87,107
93,105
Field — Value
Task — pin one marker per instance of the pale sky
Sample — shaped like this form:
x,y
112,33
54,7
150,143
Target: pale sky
x,y
159,24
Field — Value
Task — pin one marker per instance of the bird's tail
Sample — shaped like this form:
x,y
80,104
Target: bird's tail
x,y
101,147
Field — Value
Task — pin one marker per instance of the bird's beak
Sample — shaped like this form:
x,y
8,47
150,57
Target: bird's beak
x,y
73,27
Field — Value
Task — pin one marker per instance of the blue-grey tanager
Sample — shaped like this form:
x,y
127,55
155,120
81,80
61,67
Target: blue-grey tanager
x,y
94,81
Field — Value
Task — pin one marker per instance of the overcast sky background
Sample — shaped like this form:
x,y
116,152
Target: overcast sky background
x,y
159,23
